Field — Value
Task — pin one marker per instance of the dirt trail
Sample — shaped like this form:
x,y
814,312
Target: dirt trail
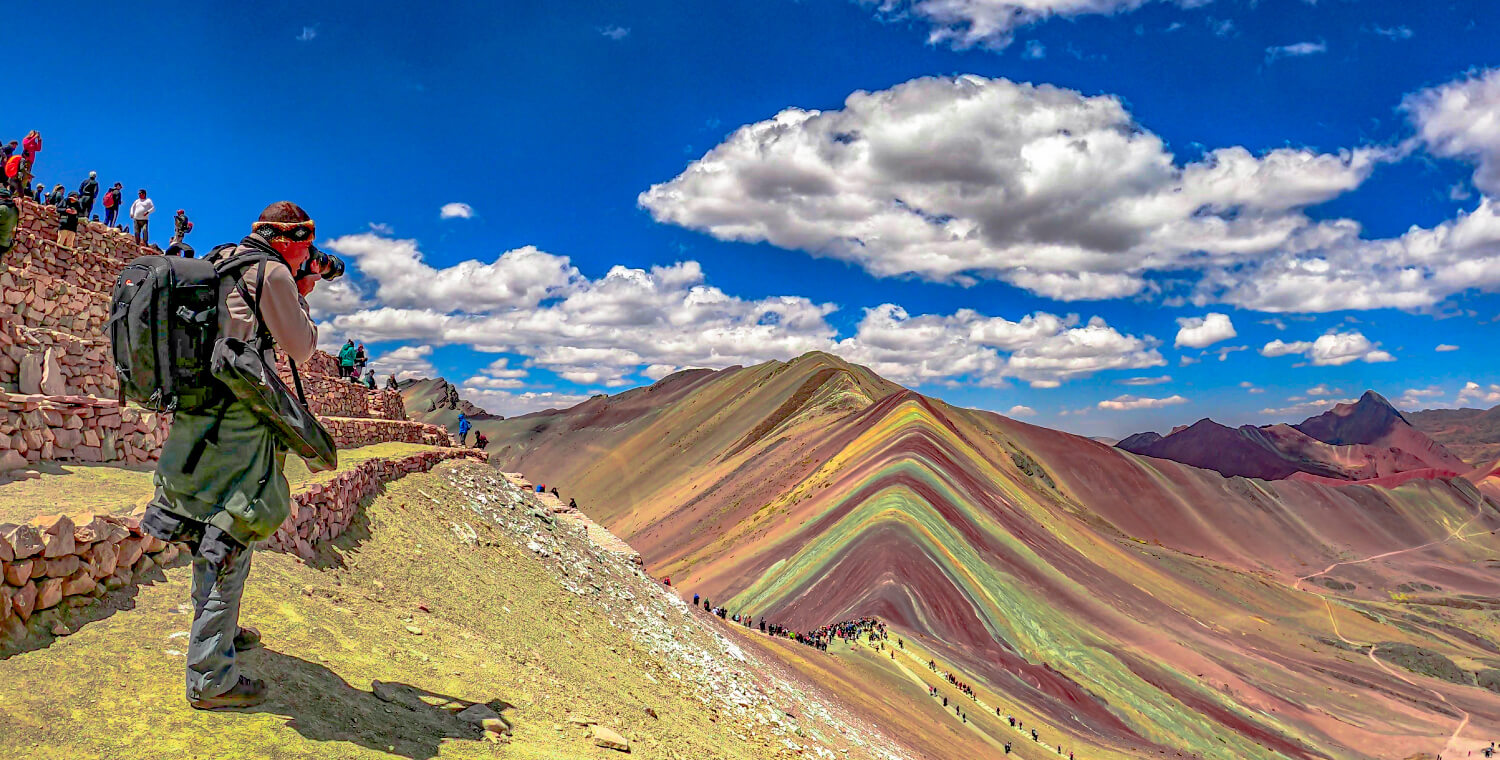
x,y
1456,533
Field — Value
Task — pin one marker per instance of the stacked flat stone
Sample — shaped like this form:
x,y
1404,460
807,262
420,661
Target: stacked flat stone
x,y
325,510
38,428
33,355
56,559
333,396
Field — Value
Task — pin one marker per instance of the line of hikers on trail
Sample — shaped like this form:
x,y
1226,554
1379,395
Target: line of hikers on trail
x,y
18,166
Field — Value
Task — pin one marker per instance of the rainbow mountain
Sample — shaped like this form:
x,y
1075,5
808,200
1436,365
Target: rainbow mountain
x,y
1136,607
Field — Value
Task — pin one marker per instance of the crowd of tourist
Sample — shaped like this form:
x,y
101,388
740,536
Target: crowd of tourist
x,y
18,164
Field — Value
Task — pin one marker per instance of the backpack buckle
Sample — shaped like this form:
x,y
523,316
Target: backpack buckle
x,y
188,315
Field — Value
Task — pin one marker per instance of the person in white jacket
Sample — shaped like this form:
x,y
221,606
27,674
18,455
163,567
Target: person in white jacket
x,y
140,212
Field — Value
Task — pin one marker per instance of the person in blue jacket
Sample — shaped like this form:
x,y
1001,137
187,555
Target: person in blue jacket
x,y
463,429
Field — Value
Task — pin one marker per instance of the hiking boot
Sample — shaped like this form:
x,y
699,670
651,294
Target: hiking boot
x,y
249,692
247,638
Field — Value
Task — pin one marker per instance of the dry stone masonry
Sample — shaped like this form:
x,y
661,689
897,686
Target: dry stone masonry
x,y
56,559
325,510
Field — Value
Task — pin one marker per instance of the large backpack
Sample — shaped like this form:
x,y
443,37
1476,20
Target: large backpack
x,y
165,314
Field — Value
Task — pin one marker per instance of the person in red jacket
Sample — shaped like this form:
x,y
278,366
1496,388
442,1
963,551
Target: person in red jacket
x,y
30,146
18,187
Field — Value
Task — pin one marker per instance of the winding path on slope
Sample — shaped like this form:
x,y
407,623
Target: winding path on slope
x,y
1455,533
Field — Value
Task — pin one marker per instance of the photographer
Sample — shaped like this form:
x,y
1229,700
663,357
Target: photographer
x,y
220,482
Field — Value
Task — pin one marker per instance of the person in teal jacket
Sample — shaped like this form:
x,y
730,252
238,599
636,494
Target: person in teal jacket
x,y
346,359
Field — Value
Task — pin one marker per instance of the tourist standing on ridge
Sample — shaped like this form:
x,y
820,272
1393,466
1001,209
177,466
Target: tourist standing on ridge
x,y
10,216
140,213
30,146
87,192
346,359
463,429
390,383
112,201
7,150
221,483
370,379
41,191
67,222
360,358
181,226
57,196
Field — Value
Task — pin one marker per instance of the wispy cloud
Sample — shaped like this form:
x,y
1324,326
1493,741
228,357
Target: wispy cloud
x,y
1145,380
1296,50
457,211
615,32
1444,347
1034,50
308,34
1130,403
1393,32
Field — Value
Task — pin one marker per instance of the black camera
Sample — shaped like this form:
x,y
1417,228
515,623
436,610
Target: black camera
x,y
332,266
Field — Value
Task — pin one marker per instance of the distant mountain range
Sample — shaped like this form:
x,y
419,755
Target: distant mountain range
x,y
1473,434
1139,606
436,401
1359,442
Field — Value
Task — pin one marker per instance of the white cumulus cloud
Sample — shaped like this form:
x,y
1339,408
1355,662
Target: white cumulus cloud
x,y
958,179
456,211
1020,410
1445,347
1472,391
1201,332
404,362
1331,350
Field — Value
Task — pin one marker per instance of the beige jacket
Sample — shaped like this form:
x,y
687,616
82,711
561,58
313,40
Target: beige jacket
x,y
282,307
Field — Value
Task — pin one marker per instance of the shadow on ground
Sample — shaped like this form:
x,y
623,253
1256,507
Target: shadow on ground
x,y
330,554
36,633
321,706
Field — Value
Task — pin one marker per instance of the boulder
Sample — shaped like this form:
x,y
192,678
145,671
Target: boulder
x,y
81,582
130,550
18,572
610,739
12,460
486,718
24,540
104,556
88,528
62,567
23,600
48,593
52,382
31,370
57,535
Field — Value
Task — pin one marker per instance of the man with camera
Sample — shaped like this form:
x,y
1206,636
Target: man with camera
x,y
220,483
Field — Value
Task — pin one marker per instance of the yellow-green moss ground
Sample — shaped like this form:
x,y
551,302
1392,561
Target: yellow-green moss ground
x,y
501,628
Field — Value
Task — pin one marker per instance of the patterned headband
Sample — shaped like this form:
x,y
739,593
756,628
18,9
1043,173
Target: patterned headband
x,y
296,232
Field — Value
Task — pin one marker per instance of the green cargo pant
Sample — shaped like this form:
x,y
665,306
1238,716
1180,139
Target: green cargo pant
x,y
239,485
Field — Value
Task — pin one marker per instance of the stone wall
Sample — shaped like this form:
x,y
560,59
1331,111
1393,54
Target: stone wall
x,y
36,428
332,396
351,433
325,510
32,355
57,559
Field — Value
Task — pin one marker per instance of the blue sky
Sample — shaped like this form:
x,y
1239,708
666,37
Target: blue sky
x,y
1015,217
